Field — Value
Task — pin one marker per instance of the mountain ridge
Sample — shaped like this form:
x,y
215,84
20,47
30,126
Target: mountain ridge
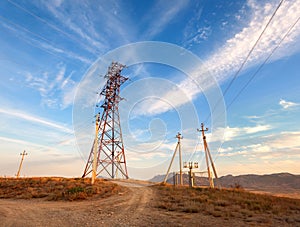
x,y
284,183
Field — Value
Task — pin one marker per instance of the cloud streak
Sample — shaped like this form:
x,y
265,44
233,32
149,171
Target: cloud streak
x,y
232,133
35,119
55,88
230,56
40,42
270,147
287,104
166,12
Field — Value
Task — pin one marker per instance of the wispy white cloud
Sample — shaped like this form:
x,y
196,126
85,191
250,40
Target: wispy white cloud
x,y
40,42
95,24
232,133
55,28
35,119
257,128
285,140
195,32
287,104
69,19
63,52
230,56
68,94
55,87
277,145
165,12
27,144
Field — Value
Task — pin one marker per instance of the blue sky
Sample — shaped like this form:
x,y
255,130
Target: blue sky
x,y
47,48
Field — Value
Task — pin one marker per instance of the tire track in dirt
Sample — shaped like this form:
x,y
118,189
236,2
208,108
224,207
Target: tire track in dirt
x,y
125,209
138,199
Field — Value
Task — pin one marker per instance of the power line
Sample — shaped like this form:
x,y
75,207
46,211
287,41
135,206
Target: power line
x,y
51,25
262,65
257,71
246,59
41,47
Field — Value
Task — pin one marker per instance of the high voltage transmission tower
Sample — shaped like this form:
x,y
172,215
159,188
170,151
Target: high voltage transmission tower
x,y
208,158
107,153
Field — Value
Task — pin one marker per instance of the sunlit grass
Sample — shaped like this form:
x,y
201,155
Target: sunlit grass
x,y
228,203
55,188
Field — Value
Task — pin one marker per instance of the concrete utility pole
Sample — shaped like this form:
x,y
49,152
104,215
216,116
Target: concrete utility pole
x,y
95,158
22,159
178,147
208,156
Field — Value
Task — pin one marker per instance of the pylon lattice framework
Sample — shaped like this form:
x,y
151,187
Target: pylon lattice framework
x,y
108,148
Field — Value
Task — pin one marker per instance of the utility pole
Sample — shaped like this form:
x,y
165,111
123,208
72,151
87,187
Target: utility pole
x,y
95,158
208,157
178,147
22,159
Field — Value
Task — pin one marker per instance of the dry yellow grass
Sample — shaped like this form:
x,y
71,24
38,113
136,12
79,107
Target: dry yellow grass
x,y
229,204
55,188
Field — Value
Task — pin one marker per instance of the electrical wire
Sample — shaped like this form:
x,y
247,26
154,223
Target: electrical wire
x,y
251,79
258,70
262,65
53,27
245,60
25,30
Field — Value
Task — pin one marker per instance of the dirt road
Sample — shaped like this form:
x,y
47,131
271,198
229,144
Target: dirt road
x,y
131,208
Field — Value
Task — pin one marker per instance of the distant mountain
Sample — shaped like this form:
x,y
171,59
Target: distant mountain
x,y
159,178
278,182
274,183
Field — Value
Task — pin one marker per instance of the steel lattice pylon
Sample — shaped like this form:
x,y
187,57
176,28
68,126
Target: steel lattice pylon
x,y
107,153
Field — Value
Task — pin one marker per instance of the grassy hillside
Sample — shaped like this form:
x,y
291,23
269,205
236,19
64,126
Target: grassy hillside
x,y
55,188
234,204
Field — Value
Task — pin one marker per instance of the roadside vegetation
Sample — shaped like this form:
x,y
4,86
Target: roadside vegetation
x,y
56,188
229,204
